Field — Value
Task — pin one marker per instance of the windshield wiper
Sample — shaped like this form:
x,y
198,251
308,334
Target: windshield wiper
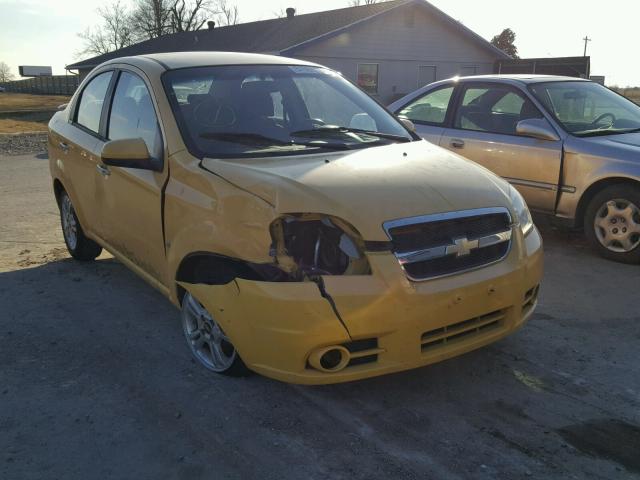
x,y
259,140
602,133
332,129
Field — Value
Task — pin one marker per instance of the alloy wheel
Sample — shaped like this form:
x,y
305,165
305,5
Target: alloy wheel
x,y
69,222
208,342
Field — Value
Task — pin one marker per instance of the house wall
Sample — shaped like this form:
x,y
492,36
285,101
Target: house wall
x,y
400,41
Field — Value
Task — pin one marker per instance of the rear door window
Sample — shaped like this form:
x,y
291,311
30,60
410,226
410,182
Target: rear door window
x,y
92,100
430,109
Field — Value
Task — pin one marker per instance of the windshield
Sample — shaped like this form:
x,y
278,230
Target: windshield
x,y
256,110
588,109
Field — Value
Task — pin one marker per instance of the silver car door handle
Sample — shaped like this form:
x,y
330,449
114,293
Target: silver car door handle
x,y
456,143
104,171
63,146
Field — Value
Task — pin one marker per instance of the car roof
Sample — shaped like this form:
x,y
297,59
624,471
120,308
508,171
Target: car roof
x,y
176,60
513,79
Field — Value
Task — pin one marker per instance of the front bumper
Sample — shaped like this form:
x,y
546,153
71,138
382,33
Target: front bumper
x,y
277,326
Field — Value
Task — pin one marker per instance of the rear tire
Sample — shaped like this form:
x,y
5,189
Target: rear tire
x,y
612,223
79,246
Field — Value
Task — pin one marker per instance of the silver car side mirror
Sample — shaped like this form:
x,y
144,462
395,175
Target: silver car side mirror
x,y
537,128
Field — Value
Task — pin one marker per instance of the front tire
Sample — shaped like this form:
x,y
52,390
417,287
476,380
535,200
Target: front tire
x,y
612,223
79,246
207,341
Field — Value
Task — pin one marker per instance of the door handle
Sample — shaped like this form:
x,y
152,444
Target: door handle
x,y
104,171
456,143
63,146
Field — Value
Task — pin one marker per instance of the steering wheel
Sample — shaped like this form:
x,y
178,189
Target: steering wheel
x,y
212,113
601,117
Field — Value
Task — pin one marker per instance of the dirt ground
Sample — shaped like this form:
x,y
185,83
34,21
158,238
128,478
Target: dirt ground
x,y
20,104
13,102
97,381
9,125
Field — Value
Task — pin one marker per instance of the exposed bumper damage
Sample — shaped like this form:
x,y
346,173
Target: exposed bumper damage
x,y
372,324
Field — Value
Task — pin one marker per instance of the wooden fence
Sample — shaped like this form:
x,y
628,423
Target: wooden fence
x,y
50,85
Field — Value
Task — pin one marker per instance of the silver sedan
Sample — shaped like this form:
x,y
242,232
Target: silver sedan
x,y
571,146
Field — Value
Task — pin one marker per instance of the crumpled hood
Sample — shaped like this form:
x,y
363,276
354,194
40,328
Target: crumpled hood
x,y
370,186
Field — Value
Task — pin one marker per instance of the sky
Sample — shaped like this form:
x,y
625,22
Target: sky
x,y
44,32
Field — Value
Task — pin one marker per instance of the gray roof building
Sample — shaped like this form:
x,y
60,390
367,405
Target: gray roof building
x,y
388,48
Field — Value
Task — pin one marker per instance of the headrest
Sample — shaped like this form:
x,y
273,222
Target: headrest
x,y
256,98
529,110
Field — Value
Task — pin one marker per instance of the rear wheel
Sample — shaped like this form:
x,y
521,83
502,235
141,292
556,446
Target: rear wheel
x,y
79,246
209,344
612,223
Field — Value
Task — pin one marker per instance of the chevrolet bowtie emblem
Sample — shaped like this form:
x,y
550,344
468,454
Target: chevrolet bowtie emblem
x,y
462,247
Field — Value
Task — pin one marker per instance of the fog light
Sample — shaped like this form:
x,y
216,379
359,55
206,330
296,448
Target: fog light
x,y
330,359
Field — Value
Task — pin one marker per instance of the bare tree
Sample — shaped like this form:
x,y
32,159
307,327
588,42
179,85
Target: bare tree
x,y
227,14
115,32
151,18
5,73
188,15
357,3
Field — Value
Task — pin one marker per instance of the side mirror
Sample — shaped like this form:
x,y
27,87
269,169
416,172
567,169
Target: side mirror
x,y
537,128
128,153
408,124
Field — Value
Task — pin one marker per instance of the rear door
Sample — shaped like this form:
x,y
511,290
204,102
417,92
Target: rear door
x,y
130,199
77,144
483,129
429,112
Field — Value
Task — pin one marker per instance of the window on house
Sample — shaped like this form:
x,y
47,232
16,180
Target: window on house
x,y
468,70
426,75
368,77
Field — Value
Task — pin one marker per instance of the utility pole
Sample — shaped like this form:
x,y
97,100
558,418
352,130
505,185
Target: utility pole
x,y
586,40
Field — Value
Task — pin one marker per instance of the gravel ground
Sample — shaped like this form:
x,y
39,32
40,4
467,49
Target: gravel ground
x,y
23,143
96,380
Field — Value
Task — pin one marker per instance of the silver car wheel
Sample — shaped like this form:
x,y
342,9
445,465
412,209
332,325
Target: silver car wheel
x,y
208,343
617,225
69,222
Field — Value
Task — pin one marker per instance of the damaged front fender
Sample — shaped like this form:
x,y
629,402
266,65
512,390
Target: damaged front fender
x,y
274,326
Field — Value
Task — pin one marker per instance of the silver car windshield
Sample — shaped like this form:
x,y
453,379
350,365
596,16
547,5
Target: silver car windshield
x,y
257,110
588,109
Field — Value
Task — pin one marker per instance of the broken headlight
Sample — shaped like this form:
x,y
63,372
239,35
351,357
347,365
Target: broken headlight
x,y
308,245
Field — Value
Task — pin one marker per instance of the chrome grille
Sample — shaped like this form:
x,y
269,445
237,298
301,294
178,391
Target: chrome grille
x,y
448,243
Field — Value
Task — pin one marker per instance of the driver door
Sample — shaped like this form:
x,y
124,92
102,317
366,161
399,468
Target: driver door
x,y
130,199
484,130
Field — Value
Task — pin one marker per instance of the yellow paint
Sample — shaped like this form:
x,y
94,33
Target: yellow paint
x,y
228,207
276,326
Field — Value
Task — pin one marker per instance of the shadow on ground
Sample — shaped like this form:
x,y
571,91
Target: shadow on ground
x,y
98,383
